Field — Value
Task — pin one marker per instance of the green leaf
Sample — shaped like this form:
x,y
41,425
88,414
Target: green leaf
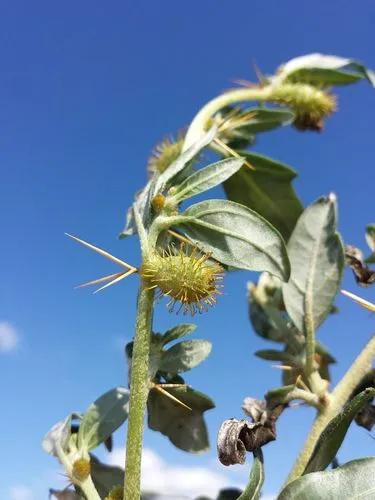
x,y
277,396
319,69
237,236
259,120
158,183
142,202
317,258
206,178
353,480
273,355
267,190
333,435
266,310
370,236
254,486
266,119
105,477
182,161
178,332
185,428
103,417
184,356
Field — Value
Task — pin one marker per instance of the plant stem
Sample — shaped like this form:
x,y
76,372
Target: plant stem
x,y
355,374
139,389
89,490
321,421
87,486
334,404
199,123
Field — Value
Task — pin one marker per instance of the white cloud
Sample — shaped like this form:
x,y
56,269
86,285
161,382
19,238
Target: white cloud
x,y
8,337
177,482
20,493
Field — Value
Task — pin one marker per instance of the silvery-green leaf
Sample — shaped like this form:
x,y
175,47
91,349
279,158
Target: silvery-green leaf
x,y
129,228
267,316
206,178
59,436
267,190
322,357
323,69
259,120
237,236
184,356
354,480
178,165
256,480
370,236
178,332
333,435
316,255
142,203
273,355
103,417
185,428
277,396
265,119
105,477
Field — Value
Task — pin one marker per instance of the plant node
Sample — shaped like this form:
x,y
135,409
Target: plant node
x,y
81,469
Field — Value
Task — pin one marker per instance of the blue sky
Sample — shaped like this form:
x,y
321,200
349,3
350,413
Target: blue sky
x,y
86,90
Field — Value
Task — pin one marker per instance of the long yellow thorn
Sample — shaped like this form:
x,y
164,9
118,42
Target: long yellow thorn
x,y
232,152
169,395
102,252
116,280
99,280
362,302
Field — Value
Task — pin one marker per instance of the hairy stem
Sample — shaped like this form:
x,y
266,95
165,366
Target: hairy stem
x,y
308,397
139,389
355,374
334,404
320,423
199,123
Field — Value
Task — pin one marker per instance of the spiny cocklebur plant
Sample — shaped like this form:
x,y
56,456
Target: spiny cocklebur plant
x,y
186,252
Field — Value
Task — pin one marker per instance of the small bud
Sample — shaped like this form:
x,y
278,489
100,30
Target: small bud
x,y
81,469
309,104
158,203
116,493
188,278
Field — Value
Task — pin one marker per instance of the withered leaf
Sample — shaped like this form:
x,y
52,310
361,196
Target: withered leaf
x,y
238,436
364,276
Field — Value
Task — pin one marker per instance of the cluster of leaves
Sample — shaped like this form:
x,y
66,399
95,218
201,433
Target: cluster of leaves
x,y
283,313
175,409
79,434
263,227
